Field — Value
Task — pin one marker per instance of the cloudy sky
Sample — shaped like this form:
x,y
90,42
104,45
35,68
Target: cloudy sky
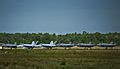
x,y
59,16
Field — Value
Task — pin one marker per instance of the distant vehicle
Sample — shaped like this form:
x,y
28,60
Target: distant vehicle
x,y
30,46
106,45
9,46
52,44
86,45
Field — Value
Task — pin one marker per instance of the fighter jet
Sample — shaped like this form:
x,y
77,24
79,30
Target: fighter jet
x,y
9,46
65,45
86,45
107,45
30,46
52,44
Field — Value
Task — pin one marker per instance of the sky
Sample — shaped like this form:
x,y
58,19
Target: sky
x,y
59,16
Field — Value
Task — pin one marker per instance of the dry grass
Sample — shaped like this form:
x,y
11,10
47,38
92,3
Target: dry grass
x,y
59,59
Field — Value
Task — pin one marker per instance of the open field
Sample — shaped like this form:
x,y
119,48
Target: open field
x,y
59,59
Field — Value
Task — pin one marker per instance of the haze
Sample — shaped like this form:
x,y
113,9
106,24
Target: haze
x,y
59,16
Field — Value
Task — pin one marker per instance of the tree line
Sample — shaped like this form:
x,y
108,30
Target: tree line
x,y
76,38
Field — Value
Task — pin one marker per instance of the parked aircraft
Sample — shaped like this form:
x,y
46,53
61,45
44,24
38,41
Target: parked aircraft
x,y
107,45
30,46
52,44
9,45
65,45
86,45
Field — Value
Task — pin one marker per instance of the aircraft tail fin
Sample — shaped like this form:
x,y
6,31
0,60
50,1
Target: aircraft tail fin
x,y
33,43
36,42
55,42
111,42
51,43
15,43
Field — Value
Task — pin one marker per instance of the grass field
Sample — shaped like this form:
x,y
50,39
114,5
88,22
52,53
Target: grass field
x,y
59,59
